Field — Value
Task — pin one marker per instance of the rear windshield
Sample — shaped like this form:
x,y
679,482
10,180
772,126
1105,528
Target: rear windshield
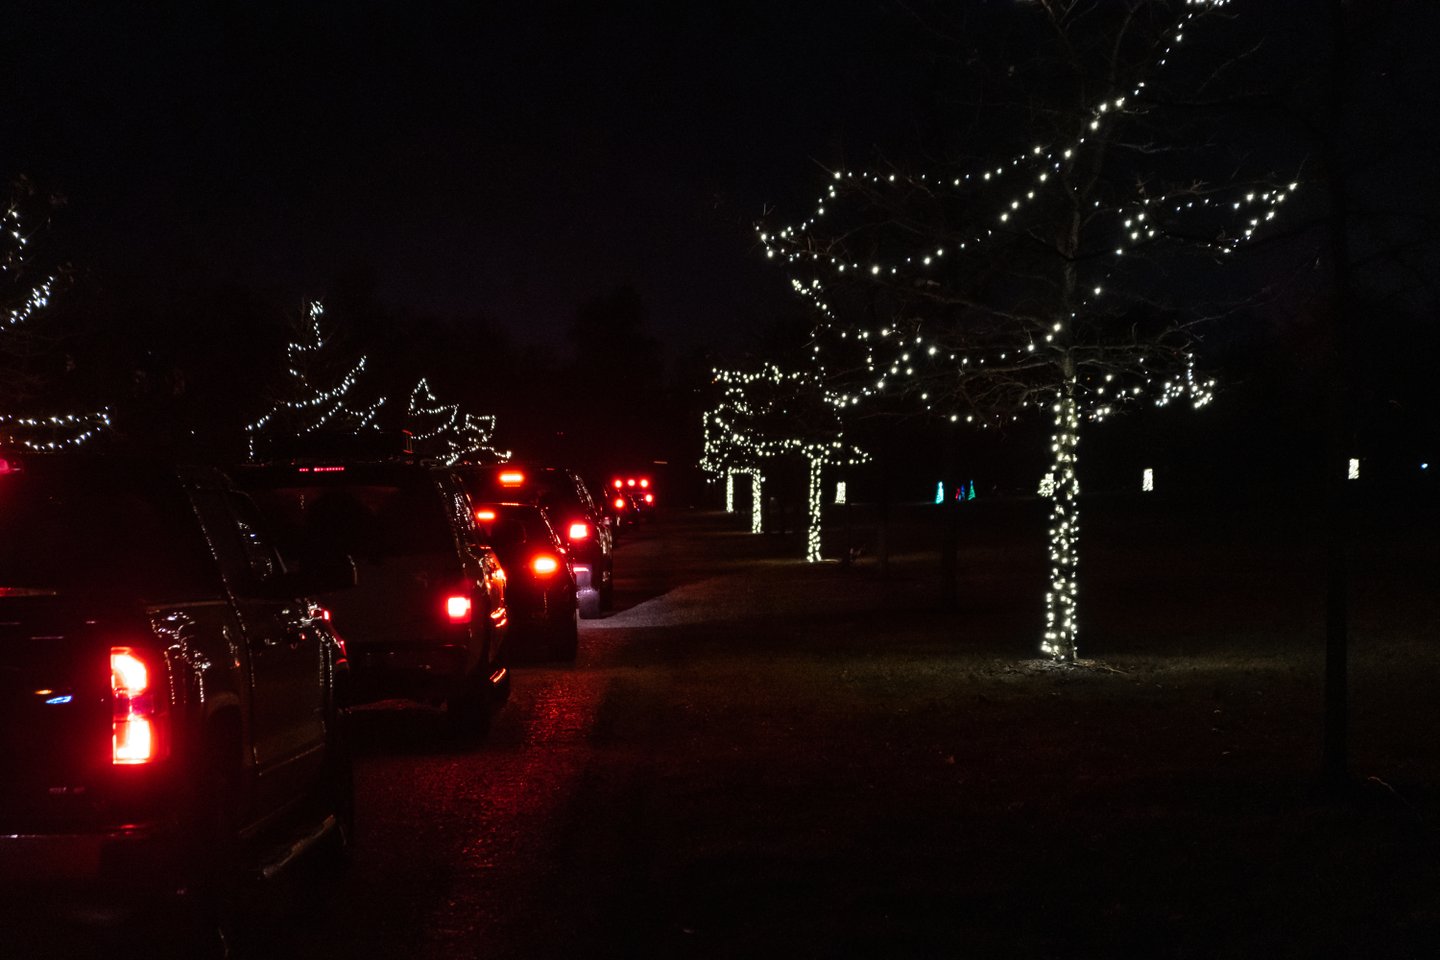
x,y
96,531
369,521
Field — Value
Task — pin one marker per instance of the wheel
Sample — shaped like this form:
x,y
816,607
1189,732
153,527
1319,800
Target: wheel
x,y
565,644
337,795
588,602
210,880
607,593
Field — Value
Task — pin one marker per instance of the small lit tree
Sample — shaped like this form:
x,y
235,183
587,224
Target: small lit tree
x,y
311,396
27,415
772,413
444,432
1061,277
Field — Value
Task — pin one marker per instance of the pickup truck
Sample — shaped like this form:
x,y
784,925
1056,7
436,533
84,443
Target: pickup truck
x,y
172,703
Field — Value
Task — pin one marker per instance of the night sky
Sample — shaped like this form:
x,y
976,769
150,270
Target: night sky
x,y
507,160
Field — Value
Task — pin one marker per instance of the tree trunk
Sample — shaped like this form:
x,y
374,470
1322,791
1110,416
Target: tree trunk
x,y
757,505
1060,600
813,508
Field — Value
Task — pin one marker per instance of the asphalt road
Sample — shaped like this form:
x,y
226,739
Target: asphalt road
x,y
534,842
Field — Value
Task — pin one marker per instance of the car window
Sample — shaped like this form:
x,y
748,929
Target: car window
x,y
371,521
244,552
105,532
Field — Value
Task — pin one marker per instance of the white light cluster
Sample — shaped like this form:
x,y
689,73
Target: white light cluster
x,y
316,408
78,428
1078,366
1060,601
753,422
43,433
453,436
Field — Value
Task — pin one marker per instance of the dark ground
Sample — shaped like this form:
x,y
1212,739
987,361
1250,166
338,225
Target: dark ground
x,y
759,757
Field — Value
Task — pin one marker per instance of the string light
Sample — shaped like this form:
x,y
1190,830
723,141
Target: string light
x,y
1084,365
755,420
452,436
40,433
317,408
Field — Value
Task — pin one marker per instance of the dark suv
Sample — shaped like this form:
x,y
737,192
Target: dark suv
x,y
172,702
576,517
429,618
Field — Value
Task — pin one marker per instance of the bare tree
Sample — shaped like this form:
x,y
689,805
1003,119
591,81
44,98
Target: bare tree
x,y
1066,273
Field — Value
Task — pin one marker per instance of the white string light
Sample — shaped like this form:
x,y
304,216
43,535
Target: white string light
x,y
1080,364
316,408
41,433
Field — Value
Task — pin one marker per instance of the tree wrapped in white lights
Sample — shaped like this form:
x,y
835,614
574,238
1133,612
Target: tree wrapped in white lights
x,y
772,413
1062,276
310,398
24,296
442,431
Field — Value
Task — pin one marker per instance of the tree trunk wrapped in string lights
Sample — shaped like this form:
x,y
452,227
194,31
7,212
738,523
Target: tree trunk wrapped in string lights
x,y
1064,275
768,413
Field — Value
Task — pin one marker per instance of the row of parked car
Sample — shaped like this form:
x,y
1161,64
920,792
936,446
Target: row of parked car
x,y
180,649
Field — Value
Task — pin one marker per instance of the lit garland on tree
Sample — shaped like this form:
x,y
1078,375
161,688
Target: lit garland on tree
x,y
451,436
304,407
772,413
38,432
1019,286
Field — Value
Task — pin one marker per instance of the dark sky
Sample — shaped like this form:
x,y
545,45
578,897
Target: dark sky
x,y
505,159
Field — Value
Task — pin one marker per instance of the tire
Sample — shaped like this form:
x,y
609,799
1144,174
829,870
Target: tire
x,y
337,796
211,861
607,593
467,714
565,644
589,604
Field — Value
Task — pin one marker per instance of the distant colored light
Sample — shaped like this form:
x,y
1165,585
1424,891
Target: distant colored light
x,y
644,482
619,504
840,492
940,492
512,478
619,484
649,498
1354,472
1147,480
485,516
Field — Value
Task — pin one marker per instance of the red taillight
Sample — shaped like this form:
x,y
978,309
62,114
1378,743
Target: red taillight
x,y
511,478
644,483
630,482
649,498
579,531
618,484
485,516
619,504
457,608
135,734
544,565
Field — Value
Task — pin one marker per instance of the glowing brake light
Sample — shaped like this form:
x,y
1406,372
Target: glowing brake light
x,y
544,565
644,483
511,478
135,737
485,516
618,484
457,608
619,504
579,531
649,498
